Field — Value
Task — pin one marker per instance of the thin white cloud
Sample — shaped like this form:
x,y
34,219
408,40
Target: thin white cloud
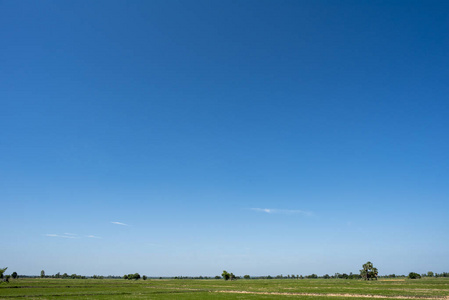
x,y
93,237
119,223
71,236
283,211
60,236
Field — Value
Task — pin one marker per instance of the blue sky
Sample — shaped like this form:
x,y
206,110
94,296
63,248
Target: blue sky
x,y
190,137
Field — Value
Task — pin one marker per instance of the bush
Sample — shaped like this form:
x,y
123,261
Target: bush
x,y
225,275
413,275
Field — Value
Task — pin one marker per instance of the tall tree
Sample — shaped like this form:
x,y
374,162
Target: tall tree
x,y
2,271
369,271
42,274
225,275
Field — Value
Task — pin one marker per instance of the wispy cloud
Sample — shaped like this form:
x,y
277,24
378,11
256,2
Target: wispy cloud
x,y
283,211
119,223
93,237
61,236
71,236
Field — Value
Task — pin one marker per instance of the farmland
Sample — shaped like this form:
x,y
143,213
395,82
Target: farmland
x,y
48,288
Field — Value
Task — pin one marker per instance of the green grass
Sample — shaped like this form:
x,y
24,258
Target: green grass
x,y
317,289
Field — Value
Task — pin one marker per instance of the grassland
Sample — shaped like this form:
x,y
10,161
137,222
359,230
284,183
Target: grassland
x,y
316,289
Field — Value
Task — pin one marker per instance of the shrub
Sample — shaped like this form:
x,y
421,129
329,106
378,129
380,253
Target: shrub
x,y
413,275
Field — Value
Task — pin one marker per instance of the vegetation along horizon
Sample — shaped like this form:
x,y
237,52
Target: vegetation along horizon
x,y
367,284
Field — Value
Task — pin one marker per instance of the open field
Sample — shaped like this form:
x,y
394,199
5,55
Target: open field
x,y
428,288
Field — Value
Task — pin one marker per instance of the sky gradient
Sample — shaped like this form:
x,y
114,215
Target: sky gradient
x,y
189,137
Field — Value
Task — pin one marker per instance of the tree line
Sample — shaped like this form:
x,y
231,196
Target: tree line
x,y
368,272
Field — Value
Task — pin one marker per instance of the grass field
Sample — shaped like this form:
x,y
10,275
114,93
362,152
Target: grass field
x,y
427,288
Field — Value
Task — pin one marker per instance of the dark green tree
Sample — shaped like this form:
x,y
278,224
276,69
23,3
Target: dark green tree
x,y
246,276
2,271
413,275
14,275
134,276
225,275
42,274
369,272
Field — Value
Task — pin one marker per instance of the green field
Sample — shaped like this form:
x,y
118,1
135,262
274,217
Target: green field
x,y
427,288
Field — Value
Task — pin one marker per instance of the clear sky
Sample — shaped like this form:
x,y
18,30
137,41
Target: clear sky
x,y
191,137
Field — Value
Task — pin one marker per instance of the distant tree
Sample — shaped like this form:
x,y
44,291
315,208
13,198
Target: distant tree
x,y
413,275
2,271
217,277
232,276
374,273
369,271
14,275
58,275
65,275
134,276
430,274
225,275
42,274
246,276
326,276
144,277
